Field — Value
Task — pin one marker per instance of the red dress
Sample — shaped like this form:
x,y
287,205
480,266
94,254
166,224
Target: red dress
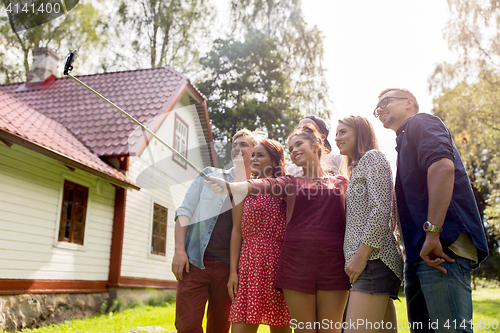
x,y
263,229
312,257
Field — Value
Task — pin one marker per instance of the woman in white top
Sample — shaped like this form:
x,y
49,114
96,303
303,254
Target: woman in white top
x,y
373,259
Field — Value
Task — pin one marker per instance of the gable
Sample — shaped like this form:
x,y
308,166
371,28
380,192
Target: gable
x,y
144,94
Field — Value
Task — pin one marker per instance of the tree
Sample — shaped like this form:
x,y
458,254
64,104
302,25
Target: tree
x,y
82,28
300,47
473,32
246,88
160,33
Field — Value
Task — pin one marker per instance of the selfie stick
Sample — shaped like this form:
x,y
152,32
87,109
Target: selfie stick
x,y
69,67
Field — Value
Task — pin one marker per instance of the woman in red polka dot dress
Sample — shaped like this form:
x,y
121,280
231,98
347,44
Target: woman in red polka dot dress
x,y
259,228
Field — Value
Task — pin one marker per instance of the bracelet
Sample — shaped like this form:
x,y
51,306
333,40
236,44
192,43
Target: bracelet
x,y
228,188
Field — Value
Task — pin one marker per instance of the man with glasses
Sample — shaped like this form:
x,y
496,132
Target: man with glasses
x,y
442,230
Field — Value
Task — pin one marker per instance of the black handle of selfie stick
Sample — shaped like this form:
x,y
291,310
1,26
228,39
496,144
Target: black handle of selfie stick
x,y
69,62
69,67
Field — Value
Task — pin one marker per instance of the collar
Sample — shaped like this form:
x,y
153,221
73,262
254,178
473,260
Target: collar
x,y
400,131
402,128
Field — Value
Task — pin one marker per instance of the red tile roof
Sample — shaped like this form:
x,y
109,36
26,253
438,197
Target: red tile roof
x,y
20,123
144,94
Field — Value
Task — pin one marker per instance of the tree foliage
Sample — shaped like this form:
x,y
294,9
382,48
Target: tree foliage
x,y
157,33
469,95
82,28
246,88
299,45
473,32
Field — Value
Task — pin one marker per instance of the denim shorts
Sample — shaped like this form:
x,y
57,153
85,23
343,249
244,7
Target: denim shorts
x,y
378,279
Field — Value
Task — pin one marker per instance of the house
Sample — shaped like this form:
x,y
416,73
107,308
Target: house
x,y
133,185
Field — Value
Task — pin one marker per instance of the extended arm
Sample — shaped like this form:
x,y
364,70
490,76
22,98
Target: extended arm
x,y
220,186
440,180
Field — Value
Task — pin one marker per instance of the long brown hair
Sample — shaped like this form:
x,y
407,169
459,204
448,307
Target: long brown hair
x,y
312,135
277,154
365,138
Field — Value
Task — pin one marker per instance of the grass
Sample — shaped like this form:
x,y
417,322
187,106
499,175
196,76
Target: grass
x,y
486,305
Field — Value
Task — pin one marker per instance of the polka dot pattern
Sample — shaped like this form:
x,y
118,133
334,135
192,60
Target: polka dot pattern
x,y
263,229
371,211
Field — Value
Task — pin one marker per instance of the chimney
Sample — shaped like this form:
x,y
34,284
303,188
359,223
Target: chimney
x,y
44,65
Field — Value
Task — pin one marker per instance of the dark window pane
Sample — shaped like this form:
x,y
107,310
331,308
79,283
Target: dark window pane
x,y
159,230
80,198
79,210
78,233
161,246
74,206
66,230
68,213
163,230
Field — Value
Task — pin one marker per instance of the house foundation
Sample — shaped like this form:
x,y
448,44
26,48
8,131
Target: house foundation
x,y
35,310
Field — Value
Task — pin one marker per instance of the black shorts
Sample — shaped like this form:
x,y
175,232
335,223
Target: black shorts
x,y
378,279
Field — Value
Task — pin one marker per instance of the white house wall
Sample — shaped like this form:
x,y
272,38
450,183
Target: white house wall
x,y
167,188
31,188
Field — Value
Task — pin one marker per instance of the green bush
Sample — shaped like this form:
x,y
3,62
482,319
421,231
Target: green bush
x,y
118,305
104,306
135,304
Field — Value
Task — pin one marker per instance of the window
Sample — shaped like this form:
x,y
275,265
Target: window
x,y
180,140
73,213
159,234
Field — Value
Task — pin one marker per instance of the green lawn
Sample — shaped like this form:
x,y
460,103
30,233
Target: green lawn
x,y
486,314
486,311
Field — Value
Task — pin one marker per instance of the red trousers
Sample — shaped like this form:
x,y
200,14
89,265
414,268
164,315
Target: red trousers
x,y
198,286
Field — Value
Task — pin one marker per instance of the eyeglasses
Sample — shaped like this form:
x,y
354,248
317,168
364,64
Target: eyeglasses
x,y
383,104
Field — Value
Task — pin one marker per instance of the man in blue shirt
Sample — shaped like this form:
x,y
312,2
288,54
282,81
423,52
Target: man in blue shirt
x,y
202,242
442,230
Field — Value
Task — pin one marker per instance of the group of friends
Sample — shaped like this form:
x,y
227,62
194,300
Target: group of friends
x,y
317,247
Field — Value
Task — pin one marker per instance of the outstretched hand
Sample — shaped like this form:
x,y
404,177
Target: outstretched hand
x,y
217,185
432,252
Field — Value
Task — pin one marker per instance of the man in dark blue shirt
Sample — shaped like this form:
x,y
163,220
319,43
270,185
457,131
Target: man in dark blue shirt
x,y
442,230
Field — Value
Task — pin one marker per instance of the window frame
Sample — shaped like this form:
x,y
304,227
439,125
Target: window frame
x,y
174,156
70,177
158,254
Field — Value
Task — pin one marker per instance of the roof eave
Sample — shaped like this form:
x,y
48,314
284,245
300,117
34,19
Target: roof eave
x,y
64,159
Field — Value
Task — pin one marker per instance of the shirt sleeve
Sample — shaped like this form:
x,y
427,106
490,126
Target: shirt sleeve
x,y
432,140
192,197
379,189
279,187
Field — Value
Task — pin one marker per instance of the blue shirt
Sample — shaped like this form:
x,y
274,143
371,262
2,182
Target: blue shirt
x,y
422,140
202,207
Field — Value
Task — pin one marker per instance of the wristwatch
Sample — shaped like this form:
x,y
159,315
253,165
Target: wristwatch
x,y
431,227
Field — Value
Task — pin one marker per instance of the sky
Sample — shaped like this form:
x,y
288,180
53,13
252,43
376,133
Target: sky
x,y
373,45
